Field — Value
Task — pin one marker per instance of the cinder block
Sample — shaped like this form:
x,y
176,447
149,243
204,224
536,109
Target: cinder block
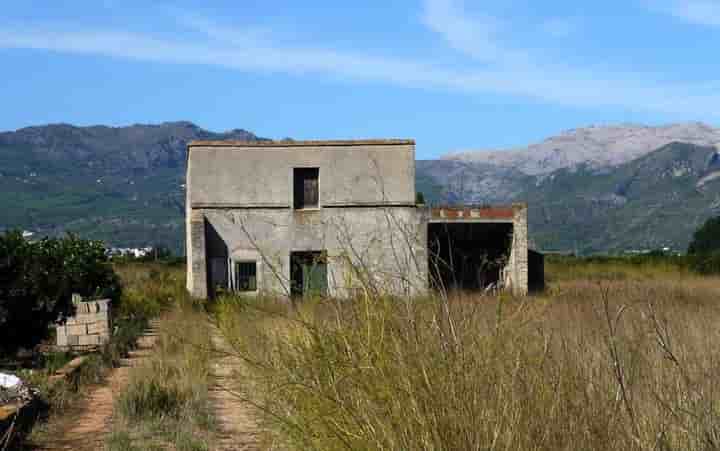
x,y
89,340
72,320
88,307
98,327
92,318
72,340
62,340
77,329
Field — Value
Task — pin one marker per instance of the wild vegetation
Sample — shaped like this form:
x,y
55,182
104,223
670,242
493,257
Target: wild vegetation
x,y
602,362
148,290
166,400
37,280
618,353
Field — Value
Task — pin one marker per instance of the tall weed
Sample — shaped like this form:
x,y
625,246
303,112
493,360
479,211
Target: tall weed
x,y
609,364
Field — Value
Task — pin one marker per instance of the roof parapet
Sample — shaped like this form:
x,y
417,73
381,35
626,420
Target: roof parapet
x,y
309,143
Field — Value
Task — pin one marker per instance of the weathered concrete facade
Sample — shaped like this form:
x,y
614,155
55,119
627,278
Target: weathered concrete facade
x,y
258,213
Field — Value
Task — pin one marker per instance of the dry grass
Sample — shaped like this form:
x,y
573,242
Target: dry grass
x,y
628,361
150,288
166,399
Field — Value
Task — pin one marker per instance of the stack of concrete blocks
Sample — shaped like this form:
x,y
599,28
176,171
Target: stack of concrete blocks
x,y
88,328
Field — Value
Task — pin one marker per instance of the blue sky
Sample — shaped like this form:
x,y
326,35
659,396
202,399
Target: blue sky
x,y
451,74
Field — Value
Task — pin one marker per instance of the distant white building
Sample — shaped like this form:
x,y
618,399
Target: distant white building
x,y
136,252
27,234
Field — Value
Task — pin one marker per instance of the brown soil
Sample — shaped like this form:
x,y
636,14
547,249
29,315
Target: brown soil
x,y
87,426
237,428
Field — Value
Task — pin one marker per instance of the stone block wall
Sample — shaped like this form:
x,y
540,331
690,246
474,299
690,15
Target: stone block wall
x,y
91,325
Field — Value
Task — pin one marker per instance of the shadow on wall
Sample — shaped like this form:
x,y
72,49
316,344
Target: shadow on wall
x,y
217,261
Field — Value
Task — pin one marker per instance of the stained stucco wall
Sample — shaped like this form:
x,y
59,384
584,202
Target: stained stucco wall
x,y
261,176
386,244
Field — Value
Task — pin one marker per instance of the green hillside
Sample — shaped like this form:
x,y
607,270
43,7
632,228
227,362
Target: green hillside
x,y
122,185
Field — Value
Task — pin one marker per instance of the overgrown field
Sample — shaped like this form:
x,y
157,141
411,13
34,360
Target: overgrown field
x,y
613,356
166,400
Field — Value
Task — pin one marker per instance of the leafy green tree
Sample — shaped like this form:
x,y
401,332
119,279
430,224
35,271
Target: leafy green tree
x,y
706,239
37,280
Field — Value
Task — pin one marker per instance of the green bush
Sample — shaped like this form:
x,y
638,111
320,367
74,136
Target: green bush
x,y
705,263
37,280
706,239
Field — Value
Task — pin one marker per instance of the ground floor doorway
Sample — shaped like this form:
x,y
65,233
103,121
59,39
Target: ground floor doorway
x,y
308,273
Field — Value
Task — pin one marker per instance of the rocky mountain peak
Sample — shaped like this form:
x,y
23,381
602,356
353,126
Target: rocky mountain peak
x,y
597,146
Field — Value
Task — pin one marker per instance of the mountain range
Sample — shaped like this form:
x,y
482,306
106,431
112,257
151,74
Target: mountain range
x,y
594,189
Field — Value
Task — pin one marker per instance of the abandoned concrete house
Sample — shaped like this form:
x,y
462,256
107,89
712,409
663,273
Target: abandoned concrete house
x,y
336,218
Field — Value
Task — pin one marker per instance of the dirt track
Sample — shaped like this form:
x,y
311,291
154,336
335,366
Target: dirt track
x,y
87,426
237,430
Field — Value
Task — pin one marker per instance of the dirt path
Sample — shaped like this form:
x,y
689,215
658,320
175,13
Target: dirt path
x,y
237,429
92,420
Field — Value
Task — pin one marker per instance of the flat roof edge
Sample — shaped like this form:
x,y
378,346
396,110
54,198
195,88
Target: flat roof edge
x,y
309,143
479,212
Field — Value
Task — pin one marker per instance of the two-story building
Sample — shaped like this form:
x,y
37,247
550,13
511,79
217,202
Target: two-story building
x,y
334,218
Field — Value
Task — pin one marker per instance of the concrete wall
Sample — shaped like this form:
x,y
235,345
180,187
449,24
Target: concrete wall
x,y
89,327
518,264
367,248
245,191
261,175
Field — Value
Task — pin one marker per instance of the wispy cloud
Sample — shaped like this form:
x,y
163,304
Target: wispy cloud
x,y
485,39
491,66
701,12
476,35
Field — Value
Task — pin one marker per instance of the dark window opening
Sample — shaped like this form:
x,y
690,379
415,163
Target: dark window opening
x,y
245,276
305,187
308,273
468,256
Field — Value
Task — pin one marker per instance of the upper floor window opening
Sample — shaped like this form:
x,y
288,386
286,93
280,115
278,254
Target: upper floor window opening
x,y
306,188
